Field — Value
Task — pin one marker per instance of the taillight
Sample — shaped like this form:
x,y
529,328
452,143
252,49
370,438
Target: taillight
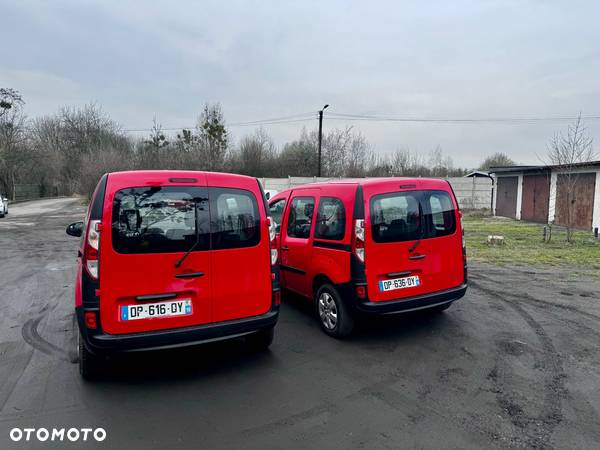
x,y
361,292
359,239
462,234
90,319
272,243
92,247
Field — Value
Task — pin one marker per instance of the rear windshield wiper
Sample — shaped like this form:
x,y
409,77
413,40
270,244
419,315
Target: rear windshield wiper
x,y
193,247
421,234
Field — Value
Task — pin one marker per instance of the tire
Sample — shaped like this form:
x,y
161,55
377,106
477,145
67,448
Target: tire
x,y
333,314
91,366
261,340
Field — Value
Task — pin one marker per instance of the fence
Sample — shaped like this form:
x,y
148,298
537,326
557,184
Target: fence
x,y
471,193
33,191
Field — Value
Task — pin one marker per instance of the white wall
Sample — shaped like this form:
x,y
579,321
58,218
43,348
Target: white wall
x,y
519,196
552,197
470,192
596,215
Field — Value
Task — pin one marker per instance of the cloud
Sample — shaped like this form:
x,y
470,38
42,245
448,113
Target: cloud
x,y
264,59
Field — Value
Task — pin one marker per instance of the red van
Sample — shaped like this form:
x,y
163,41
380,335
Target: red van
x,y
371,246
174,258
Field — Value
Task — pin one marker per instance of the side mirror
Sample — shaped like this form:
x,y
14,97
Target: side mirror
x,y
5,199
75,229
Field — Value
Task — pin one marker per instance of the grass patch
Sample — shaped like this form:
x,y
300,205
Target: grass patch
x,y
524,244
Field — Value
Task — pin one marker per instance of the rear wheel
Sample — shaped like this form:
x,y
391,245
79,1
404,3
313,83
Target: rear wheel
x,y
90,366
333,314
262,339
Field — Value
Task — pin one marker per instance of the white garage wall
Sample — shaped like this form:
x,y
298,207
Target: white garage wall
x,y
471,193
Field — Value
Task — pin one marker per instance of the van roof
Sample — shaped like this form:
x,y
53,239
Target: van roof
x,y
159,175
428,183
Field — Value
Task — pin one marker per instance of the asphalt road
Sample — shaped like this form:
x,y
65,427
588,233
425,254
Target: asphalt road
x,y
513,364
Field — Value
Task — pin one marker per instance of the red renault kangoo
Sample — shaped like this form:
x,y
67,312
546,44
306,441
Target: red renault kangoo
x,y
173,258
370,246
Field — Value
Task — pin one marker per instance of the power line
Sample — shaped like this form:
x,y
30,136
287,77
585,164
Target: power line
x,y
382,117
386,118
303,117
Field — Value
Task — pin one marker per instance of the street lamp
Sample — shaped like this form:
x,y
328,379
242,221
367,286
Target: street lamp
x,y
320,139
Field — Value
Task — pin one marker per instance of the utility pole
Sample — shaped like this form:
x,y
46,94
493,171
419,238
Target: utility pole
x,y
320,139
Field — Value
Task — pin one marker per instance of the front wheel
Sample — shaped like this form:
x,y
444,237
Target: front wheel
x,y
333,314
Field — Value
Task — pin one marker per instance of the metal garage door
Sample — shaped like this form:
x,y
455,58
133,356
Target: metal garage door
x,y
506,197
536,193
583,200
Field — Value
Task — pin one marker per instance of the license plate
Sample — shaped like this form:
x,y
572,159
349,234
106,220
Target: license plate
x,y
399,283
153,310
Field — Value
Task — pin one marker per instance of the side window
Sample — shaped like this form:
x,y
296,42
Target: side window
x,y
235,220
300,217
442,214
331,219
276,212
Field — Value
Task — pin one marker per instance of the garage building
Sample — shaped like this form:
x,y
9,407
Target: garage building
x,y
539,194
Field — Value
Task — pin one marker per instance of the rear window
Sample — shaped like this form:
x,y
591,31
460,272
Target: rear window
x,y
164,219
407,216
236,221
160,219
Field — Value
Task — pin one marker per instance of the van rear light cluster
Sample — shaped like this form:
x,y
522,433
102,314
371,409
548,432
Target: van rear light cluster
x,y
359,239
462,234
361,292
92,247
272,242
90,319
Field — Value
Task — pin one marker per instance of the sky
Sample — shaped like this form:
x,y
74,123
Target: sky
x,y
269,59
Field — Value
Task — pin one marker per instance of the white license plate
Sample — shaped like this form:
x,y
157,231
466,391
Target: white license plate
x,y
152,310
398,283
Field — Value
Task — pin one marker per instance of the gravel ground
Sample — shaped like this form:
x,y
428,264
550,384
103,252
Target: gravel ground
x,y
515,363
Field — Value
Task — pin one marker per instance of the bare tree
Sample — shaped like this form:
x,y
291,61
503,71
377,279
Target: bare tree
x,y
9,99
567,152
214,135
13,151
498,159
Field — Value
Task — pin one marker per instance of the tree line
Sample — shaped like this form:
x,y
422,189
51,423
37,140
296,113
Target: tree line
x,y
66,152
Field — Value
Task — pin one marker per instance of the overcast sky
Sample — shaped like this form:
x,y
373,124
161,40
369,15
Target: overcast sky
x,y
267,59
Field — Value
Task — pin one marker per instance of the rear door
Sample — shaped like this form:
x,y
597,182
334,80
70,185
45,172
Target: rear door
x,y
241,265
413,235
296,240
146,231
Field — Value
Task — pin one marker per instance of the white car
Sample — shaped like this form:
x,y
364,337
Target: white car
x,y
3,205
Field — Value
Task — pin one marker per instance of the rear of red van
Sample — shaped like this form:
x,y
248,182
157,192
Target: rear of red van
x,y
408,247
173,258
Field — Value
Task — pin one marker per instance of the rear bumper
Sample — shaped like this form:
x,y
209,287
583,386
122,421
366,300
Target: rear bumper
x,y
407,304
96,341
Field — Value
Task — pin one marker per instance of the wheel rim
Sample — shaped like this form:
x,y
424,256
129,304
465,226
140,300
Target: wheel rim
x,y
327,311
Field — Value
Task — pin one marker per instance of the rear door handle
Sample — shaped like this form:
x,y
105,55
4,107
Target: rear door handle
x,y
190,275
284,247
416,257
144,298
398,274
